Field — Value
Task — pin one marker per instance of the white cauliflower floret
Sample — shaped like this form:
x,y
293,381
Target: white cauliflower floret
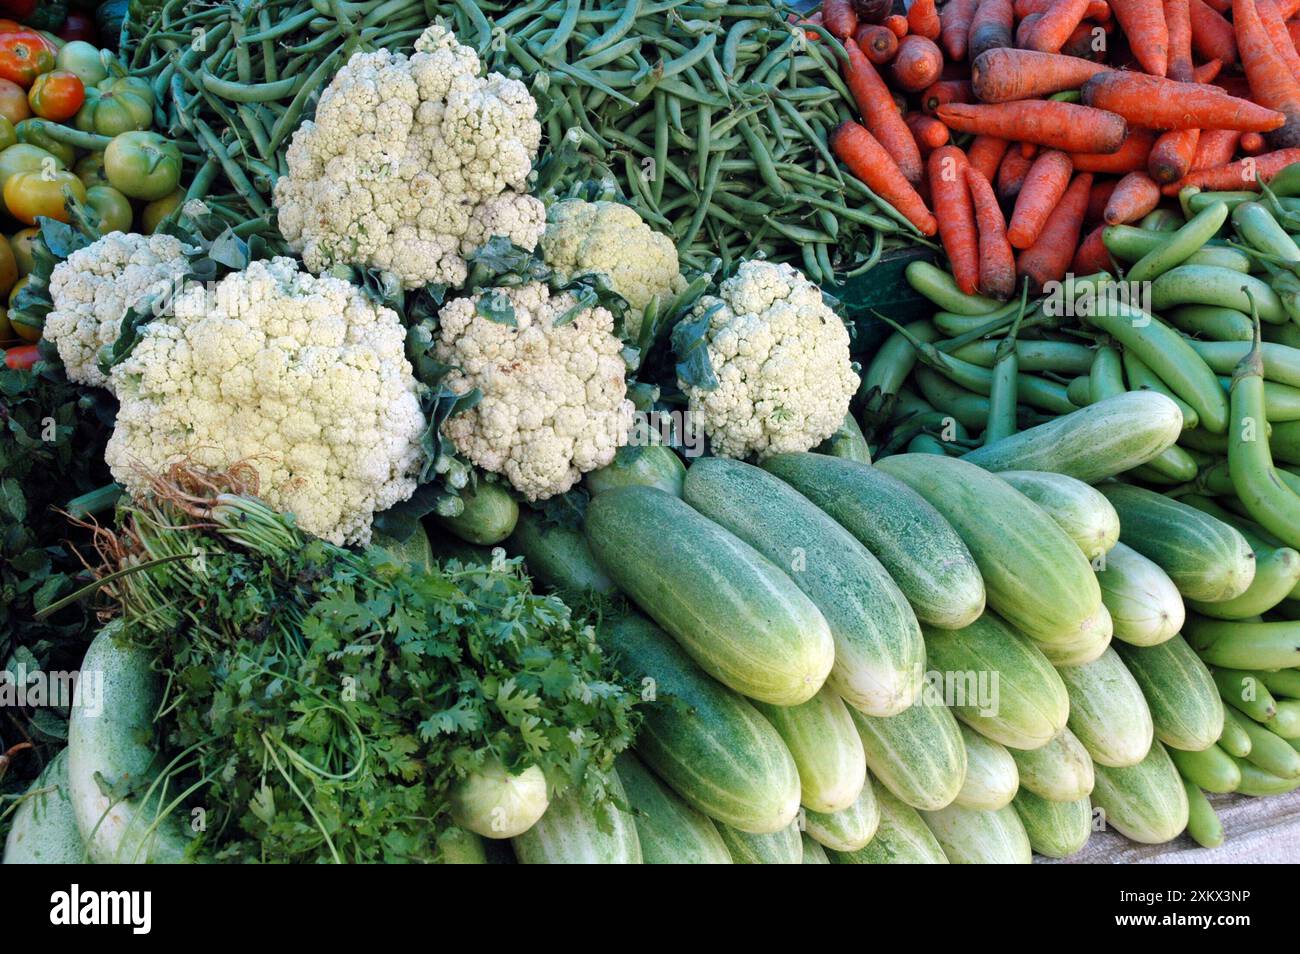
x,y
554,402
92,290
611,239
411,164
305,378
782,361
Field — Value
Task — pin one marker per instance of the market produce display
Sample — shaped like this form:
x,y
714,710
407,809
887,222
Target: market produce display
x,y
453,431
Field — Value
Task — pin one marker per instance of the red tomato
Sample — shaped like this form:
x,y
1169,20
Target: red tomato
x,y
22,357
78,26
56,95
24,56
11,26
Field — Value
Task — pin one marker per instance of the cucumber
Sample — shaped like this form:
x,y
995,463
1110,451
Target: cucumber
x,y
1083,649
643,465
109,742
1211,769
784,847
879,653
1271,752
1203,824
1084,514
1284,682
923,554
669,831
991,776
1054,829
707,743
558,556
415,549
1185,706
1092,443
1234,740
813,853
846,830
918,754
1108,712
1025,708
1206,559
1034,575
1246,692
44,829
571,832
1277,572
489,515
458,846
1242,644
1060,771
1259,782
1145,802
847,442
734,611
970,836
1144,605
827,750
902,838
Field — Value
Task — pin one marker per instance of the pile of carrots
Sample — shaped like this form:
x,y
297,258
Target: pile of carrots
x,y
1016,130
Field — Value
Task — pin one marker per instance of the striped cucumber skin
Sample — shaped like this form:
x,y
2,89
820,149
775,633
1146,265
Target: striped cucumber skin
x,y
1031,705
557,556
879,654
813,853
1055,829
784,847
1211,769
1145,607
647,465
1207,559
1034,575
902,838
670,831
1180,692
737,614
971,836
846,830
920,551
1085,647
918,754
827,750
1108,712
847,442
1099,441
1144,802
1084,514
718,753
44,829
1277,573
108,740
991,776
488,518
1060,771
570,832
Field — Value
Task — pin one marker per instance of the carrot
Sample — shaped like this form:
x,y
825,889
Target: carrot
x,y
1275,26
1167,104
991,27
1215,148
1025,28
1143,22
1171,156
928,132
867,159
877,42
999,76
1207,71
1048,259
1287,8
944,91
816,19
22,357
1011,174
1028,150
1293,30
985,154
1088,42
917,63
1135,195
898,24
1245,174
1252,144
1178,18
1220,6
1092,256
1043,187
1058,21
1212,35
1098,196
1129,157
1094,9
952,205
1271,83
1056,125
880,114
923,19
997,261
839,18
954,26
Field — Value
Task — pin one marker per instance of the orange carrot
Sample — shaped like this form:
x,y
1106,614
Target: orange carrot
x,y
1171,156
1088,42
917,63
944,91
1275,26
1251,143
839,18
985,154
898,24
877,42
1043,187
1215,148
1135,196
928,132
1028,150
1026,26
997,261
1143,22
1167,104
1245,174
923,19
1094,9
869,161
1220,6
1178,18
1212,35
1011,175
1050,123
954,26
1129,157
1058,21
1092,256
991,27
1271,83
952,205
999,76
1098,196
812,36
1293,30
880,114
1048,259
1207,71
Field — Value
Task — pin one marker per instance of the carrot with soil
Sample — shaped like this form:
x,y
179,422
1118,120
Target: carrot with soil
x,y
1143,22
1044,184
1135,195
1172,155
1049,258
869,161
1271,83
1049,123
923,19
992,27
1003,75
997,261
954,26
956,215
917,64
879,113
1168,104
1178,20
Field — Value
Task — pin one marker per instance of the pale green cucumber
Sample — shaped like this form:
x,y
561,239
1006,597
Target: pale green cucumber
x,y
1144,605
571,832
991,776
489,515
784,847
1203,824
1084,514
847,442
645,465
1260,782
826,747
971,836
918,754
1084,648
1270,752
670,831
1245,644
902,838
1211,769
1277,572
846,830
44,828
1180,692
1054,829
459,846
1060,771
1144,802
813,853
1108,712
558,556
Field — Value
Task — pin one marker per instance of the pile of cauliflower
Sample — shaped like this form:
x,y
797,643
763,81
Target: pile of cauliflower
x,y
412,164
303,377
781,356
554,397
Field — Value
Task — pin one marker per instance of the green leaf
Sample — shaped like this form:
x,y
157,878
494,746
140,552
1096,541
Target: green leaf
x,y
495,305
12,499
690,344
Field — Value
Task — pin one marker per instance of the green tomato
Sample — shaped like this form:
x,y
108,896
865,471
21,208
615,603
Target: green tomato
x,y
23,244
90,170
82,58
24,157
32,132
143,165
112,210
8,135
151,215
113,107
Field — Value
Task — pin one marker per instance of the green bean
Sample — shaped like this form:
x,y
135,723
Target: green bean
x,y
762,157
815,140
690,58
797,233
703,137
232,170
611,54
251,92
704,201
731,46
661,145
288,121
626,19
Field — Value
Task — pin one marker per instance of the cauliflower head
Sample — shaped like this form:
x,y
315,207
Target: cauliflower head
x,y
411,164
611,239
305,378
93,288
781,357
554,399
